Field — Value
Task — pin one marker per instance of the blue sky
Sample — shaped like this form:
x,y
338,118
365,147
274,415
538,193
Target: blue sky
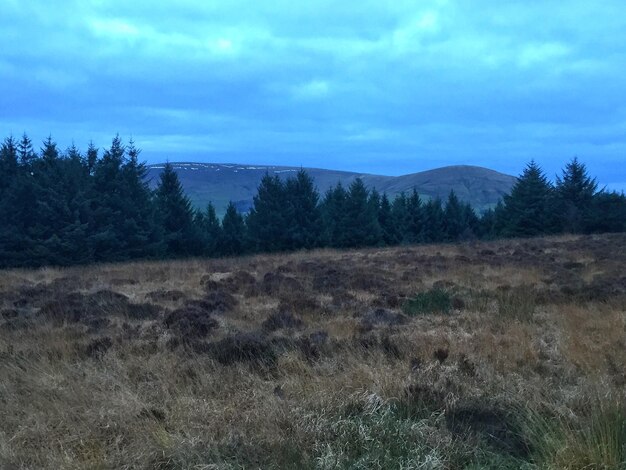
x,y
376,86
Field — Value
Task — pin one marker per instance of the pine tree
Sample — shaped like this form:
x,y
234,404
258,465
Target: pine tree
x,y
390,233
433,228
575,191
175,215
529,209
49,151
8,164
25,151
334,220
210,230
362,228
233,234
608,213
92,157
414,218
303,214
269,217
400,214
454,222
142,234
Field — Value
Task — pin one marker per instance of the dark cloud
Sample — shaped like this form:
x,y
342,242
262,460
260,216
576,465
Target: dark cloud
x,y
388,87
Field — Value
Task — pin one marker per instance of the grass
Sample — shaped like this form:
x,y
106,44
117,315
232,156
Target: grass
x,y
322,359
432,301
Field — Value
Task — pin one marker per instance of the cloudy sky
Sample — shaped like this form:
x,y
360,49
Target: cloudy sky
x,y
379,86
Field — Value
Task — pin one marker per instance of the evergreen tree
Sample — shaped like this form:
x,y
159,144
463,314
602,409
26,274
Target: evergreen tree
x,y
106,202
575,191
176,215
362,228
92,157
454,221
414,218
471,223
529,209
210,229
334,220
433,228
400,212
303,224
608,213
233,232
49,152
8,164
25,151
142,234
269,217
390,233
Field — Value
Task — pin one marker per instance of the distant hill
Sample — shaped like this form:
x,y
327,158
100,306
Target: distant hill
x,y
223,182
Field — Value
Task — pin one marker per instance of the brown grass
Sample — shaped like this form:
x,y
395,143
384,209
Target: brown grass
x,y
307,360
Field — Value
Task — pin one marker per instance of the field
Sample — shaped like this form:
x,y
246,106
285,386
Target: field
x,y
507,354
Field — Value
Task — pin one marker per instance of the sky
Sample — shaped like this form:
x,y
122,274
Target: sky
x,y
388,87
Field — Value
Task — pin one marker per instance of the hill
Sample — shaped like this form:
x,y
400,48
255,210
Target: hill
x,y
220,183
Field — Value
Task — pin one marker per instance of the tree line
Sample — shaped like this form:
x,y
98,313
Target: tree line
x,y
73,207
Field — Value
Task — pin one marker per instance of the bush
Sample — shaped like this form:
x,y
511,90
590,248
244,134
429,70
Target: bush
x,y
244,347
432,301
190,322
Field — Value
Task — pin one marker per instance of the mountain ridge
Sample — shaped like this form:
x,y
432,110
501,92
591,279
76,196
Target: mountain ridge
x,y
222,182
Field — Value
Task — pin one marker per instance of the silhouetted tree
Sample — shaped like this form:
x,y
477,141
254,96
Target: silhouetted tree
x,y
233,232
390,232
362,228
175,215
529,209
415,218
334,219
433,228
303,212
575,191
269,217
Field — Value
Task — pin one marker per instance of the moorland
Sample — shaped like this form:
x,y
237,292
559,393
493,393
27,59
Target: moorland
x,y
502,354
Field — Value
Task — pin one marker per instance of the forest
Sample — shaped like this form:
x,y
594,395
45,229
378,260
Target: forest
x,y
73,207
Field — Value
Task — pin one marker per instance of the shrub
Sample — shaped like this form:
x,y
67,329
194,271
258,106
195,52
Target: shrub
x,y
190,322
432,301
282,319
244,347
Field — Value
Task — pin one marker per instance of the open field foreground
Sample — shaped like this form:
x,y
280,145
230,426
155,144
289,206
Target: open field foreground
x,y
509,354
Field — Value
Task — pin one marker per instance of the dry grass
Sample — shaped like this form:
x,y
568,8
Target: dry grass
x,y
308,360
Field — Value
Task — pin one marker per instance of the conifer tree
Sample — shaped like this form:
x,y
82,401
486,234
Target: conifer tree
x,y
25,151
175,215
8,163
529,209
608,213
575,191
390,233
454,221
400,214
269,217
334,216
362,227
233,234
433,228
303,214
210,229
91,157
414,218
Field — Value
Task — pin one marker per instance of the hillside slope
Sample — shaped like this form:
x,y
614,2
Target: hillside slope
x,y
220,183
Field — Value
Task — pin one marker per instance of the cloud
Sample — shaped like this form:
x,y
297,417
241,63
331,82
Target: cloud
x,y
398,86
